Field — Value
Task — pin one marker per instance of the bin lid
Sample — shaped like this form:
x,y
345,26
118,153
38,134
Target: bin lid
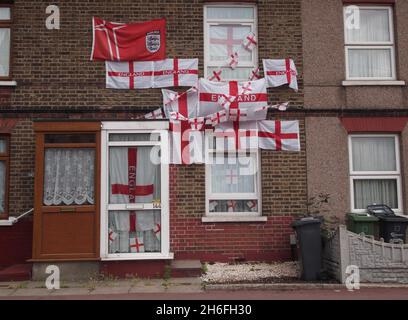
x,y
362,217
305,221
380,210
393,219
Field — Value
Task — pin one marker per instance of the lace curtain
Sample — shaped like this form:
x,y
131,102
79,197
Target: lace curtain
x,y
370,63
368,192
4,51
69,176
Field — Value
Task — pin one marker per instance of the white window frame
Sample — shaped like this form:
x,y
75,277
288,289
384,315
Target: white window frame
x,y
376,175
127,127
390,45
253,23
257,195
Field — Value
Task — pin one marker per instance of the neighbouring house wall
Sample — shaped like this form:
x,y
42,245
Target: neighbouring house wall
x,y
327,162
324,61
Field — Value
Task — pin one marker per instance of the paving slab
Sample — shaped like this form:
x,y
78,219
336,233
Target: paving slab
x,y
6,292
185,281
111,290
184,289
31,292
148,289
70,292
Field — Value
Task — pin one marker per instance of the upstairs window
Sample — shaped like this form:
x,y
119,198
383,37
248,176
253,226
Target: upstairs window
x,y
370,46
5,41
225,26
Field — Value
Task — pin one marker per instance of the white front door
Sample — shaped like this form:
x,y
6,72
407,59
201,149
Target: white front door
x,y
135,190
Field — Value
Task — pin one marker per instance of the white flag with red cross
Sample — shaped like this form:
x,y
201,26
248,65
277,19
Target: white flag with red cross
x,y
197,123
175,73
216,76
279,135
236,135
233,60
218,117
249,42
186,144
155,114
152,74
255,74
129,75
279,72
136,243
246,101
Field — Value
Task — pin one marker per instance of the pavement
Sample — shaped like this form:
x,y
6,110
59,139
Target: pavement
x,y
193,289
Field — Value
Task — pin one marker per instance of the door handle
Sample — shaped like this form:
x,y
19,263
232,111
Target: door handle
x,y
66,210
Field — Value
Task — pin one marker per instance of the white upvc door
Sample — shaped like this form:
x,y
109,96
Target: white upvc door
x,y
135,191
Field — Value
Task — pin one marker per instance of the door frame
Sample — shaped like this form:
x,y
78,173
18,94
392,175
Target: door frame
x,y
135,127
41,128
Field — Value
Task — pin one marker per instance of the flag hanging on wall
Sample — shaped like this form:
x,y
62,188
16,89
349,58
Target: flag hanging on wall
x,y
279,72
248,98
144,41
152,74
279,135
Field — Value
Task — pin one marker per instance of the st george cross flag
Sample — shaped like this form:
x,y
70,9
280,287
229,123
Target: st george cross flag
x,y
279,72
152,74
145,41
186,144
129,75
235,135
155,114
175,73
279,135
248,102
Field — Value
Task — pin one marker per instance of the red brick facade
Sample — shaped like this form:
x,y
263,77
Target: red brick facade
x,y
55,79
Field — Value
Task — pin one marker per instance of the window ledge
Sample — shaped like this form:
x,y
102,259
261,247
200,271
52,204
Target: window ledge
x,y
8,83
140,256
349,83
234,219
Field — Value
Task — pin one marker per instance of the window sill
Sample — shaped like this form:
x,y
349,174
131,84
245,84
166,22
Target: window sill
x,y
234,219
350,83
8,83
139,256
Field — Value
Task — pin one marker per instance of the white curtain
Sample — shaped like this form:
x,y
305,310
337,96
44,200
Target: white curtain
x,y
239,73
225,13
132,166
4,13
368,192
69,176
370,63
238,177
374,27
2,185
146,225
4,51
374,154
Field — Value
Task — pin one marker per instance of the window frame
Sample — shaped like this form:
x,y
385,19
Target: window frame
x,y
6,158
213,22
376,175
389,45
125,127
8,24
257,195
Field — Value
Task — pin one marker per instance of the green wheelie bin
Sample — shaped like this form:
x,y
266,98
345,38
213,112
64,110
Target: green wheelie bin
x,y
363,223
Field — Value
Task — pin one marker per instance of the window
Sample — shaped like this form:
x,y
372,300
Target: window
x,y
134,192
232,182
225,26
375,171
4,169
5,41
370,45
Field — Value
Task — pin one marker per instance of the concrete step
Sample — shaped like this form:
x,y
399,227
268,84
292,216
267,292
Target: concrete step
x,y
186,268
17,272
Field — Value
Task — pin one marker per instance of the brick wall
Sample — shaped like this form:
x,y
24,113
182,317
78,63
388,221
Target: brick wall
x,y
56,80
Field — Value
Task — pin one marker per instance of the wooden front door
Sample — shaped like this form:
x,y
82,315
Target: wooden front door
x,y
66,217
